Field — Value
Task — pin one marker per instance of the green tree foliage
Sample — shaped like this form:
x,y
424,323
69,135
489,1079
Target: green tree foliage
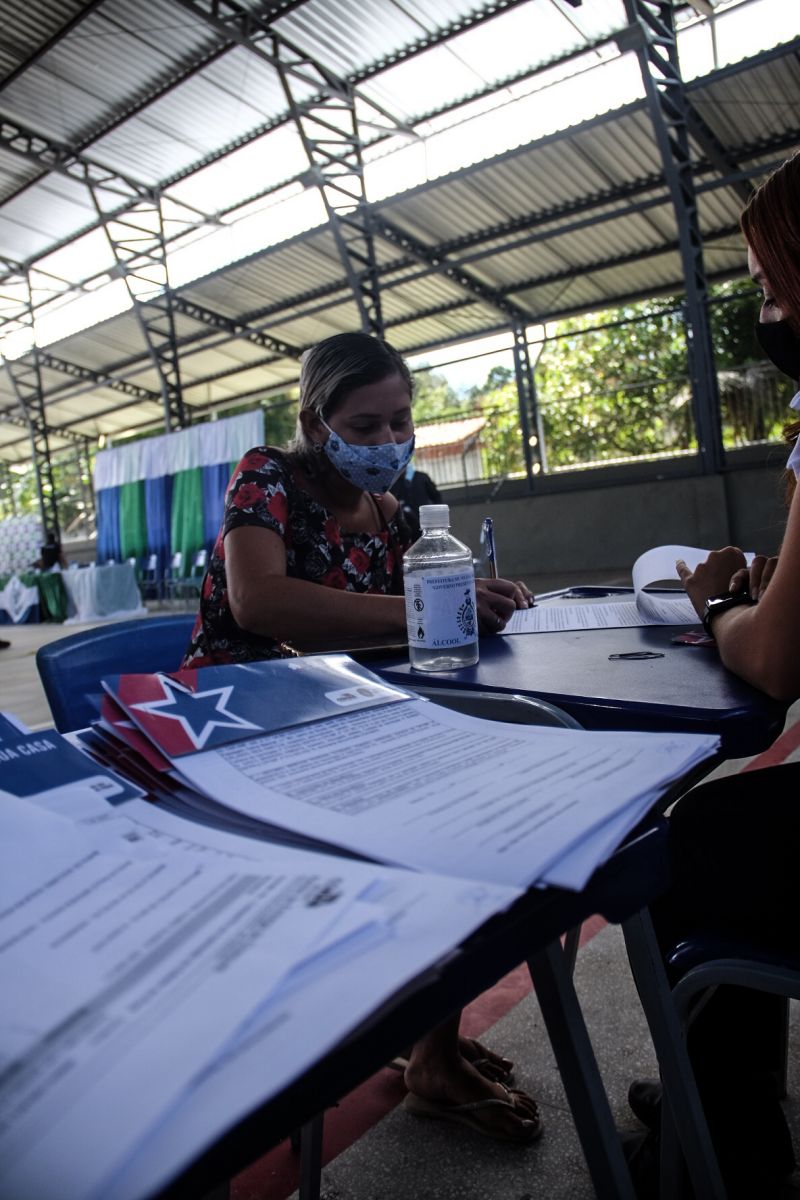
x,y
612,385
280,415
496,400
502,438
435,399
19,493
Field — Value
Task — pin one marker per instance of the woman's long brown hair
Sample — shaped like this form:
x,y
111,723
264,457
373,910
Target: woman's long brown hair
x,y
771,224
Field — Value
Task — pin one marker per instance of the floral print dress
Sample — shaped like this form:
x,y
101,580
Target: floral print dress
x,y
265,491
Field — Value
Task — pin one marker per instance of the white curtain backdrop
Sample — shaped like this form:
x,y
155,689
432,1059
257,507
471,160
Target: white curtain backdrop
x,y
201,446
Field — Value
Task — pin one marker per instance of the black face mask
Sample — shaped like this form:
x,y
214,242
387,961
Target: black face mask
x,y
782,345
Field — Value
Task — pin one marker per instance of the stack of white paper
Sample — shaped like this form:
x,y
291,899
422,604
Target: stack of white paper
x,y
131,982
402,780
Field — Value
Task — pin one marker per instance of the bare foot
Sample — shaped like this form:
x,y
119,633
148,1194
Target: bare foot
x,y
450,1081
491,1065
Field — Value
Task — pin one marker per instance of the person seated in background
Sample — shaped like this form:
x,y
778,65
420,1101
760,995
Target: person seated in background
x,y
310,547
51,553
413,489
735,842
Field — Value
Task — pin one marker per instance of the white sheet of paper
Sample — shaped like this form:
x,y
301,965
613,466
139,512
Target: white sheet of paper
x,y
285,1039
440,791
547,618
117,973
575,868
127,980
659,564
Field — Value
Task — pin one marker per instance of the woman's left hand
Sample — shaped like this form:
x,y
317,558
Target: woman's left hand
x,y
497,600
712,577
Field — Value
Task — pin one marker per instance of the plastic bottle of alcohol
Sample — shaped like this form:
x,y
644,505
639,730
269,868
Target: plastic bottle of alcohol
x,y
441,613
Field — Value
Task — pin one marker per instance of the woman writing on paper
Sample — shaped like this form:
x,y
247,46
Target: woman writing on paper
x,y
735,842
311,548
321,513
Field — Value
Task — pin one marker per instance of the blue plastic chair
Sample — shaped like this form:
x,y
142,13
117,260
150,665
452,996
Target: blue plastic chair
x,y
71,668
705,961
496,706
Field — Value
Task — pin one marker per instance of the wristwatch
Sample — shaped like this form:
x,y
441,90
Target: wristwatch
x,y
720,604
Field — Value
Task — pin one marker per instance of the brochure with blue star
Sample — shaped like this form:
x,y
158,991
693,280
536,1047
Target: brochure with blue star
x,y
188,711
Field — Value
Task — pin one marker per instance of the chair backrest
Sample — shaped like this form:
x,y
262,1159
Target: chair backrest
x,y
497,706
71,668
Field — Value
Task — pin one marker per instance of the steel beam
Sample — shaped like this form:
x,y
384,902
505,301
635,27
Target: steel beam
x,y
137,240
329,132
76,439
25,376
656,49
236,327
101,378
439,264
46,46
530,417
328,126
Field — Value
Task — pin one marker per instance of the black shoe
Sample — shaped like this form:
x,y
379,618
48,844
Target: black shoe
x,y
643,1155
644,1098
3,644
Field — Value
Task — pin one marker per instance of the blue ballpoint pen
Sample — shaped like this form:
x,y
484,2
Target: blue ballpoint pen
x,y
487,537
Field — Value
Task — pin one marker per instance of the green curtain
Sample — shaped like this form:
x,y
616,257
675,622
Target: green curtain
x,y
132,520
187,514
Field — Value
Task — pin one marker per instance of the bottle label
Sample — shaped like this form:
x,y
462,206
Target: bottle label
x,y
441,612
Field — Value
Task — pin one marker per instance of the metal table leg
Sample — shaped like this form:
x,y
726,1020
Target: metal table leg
x,y
579,1072
311,1158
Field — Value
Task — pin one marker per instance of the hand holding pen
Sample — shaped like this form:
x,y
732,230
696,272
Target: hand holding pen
x,y
497,598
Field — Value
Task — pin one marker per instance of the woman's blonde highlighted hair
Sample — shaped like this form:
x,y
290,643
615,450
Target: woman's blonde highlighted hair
x,y
334,368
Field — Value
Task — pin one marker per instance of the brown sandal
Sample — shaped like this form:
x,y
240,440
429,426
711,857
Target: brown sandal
x,y
528,1129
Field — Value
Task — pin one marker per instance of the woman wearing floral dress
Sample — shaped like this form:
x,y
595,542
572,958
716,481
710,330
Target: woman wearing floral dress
x,y
311,549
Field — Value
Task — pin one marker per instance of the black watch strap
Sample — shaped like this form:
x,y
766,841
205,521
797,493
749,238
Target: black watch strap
x,y
722,603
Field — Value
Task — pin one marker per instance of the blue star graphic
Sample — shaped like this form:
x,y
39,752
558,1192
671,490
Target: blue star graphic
x,y
192,708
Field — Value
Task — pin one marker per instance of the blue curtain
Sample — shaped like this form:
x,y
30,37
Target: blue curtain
x,y
158,506
215,481
108,539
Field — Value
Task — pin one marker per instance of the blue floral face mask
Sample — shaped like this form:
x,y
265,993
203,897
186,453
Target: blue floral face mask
x,y
373,468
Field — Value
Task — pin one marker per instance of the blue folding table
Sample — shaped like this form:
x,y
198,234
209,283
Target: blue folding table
x,y
685,689
529,931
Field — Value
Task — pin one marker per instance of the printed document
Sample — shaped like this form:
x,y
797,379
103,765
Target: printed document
x,y
457,795
128,982
643,608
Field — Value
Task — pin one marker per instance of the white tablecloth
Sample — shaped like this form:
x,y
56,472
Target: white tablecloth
x,y
17,600
105,593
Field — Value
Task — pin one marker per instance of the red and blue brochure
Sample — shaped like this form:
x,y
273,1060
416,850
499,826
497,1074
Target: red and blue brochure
x,y
189,711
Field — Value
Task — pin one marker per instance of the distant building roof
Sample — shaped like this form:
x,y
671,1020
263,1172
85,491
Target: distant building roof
x,y
448,433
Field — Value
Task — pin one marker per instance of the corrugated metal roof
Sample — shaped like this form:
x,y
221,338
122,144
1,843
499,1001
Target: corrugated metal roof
x,y
549,217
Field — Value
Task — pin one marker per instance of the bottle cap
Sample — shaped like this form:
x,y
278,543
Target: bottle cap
x,y
434,516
